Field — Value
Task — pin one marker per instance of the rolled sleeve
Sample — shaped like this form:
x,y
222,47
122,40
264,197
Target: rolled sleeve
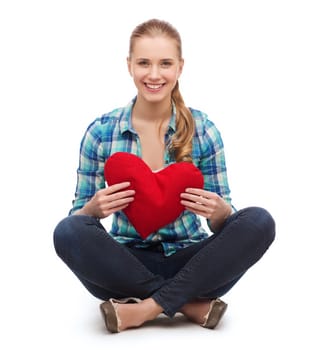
x,y
211,160
90,172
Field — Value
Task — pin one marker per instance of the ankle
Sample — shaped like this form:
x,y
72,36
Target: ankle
x,y
150,309
195,311
134,315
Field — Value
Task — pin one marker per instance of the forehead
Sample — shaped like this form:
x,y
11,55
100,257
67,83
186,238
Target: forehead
x,y
155,47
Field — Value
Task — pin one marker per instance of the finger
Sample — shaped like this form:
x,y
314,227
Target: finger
x,y
193,205
120,195
114,210
195,198
197,191
201,192
118,203
117,187
198,212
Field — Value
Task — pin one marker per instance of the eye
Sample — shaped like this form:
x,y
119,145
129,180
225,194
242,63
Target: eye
x,y
143,63
166,63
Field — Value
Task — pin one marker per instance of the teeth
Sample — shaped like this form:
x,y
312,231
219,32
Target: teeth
x,y
151,86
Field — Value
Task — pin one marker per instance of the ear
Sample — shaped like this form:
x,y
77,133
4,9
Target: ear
x,y
181,66
129,65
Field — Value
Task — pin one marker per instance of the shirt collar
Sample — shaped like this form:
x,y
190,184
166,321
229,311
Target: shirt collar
x,y
126,118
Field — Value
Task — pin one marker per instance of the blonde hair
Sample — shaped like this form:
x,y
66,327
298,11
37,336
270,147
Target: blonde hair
x,y
181,144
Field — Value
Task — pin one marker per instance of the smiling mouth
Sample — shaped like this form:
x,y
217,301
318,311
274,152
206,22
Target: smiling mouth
x,y
153,86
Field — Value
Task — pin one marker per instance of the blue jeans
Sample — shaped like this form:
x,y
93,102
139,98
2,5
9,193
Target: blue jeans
x,y
205,270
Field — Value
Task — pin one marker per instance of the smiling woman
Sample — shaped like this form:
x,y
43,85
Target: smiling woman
x,y
158,73
178,266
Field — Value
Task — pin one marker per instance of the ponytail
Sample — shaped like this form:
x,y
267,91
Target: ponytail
x,y
181,144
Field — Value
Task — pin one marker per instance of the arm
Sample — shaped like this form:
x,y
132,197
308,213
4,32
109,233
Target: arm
x,y
91,196
90,178
214,202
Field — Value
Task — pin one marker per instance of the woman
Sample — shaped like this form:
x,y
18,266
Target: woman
x,y
180,267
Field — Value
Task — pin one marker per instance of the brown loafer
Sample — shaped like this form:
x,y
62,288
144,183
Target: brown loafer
x,y
110,315
216,311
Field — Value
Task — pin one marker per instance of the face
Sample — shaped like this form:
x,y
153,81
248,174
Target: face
x,y
155,67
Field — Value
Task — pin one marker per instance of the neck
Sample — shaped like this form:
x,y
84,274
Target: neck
x,y
152,112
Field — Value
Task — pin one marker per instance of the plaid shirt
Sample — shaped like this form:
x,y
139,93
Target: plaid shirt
x,y
113,132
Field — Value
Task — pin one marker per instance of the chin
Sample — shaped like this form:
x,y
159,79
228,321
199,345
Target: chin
x,y
155,98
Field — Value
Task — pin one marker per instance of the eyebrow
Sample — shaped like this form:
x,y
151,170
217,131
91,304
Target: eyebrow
x,y
147,59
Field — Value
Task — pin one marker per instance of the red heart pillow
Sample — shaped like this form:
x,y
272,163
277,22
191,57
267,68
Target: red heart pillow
x,y
157,194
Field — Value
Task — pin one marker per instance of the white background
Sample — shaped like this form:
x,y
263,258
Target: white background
x,y
251,65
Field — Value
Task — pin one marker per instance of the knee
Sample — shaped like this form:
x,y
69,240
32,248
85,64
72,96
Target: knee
x,y
264,223
65,234
61,235
72,231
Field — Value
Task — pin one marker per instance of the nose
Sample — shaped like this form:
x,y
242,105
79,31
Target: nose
x,y
154,72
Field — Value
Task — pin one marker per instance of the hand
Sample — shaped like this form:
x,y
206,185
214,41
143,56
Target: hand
x,y
207,204
108,200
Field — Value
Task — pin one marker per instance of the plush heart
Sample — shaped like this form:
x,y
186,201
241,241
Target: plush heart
x,y
157,194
